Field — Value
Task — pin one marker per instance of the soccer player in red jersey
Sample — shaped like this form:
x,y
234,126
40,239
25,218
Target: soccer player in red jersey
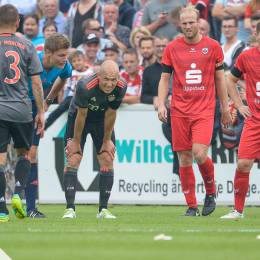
x,y
196,62
248,62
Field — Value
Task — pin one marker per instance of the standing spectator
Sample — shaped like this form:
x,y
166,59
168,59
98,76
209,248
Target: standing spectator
x,y
112,53
49,29
51,12
19,61
93,111
233,46
253,22
146,45
224,8
196,61
126,13
204,27
137,20
252,8
78,13
152,75
132,74
202,6
156,17
115,32
92,25
91,47
135,36
31,31
249,146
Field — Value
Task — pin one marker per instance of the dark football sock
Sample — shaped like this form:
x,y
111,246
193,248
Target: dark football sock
x,y
3,208
70,181
106,180
21,173
32,188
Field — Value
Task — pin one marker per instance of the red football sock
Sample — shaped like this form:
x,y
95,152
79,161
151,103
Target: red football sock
x,y
207,173
188,185
240,189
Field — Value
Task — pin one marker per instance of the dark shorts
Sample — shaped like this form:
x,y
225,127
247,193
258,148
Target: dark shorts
x,y
21,133
35,137
95,129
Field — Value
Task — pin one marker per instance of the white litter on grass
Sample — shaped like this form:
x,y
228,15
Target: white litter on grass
x,y
3,255
162,237
258,237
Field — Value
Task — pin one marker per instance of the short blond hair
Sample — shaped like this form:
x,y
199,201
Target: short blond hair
x,y
190,8
140,29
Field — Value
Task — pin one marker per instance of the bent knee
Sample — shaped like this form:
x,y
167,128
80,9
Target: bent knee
x,y
244,165
74,161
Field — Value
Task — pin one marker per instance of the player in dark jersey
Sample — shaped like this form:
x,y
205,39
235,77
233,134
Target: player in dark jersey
x,y
93,111
18,61
247,63
197,65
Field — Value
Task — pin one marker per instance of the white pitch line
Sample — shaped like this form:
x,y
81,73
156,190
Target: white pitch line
x,y
3,255
136,230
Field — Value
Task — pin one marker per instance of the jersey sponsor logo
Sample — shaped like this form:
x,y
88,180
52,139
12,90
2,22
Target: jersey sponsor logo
x,y
192,50
111,98
193,76
205,50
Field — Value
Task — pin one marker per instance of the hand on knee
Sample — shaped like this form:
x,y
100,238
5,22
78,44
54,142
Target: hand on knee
x,y
105,161
74,160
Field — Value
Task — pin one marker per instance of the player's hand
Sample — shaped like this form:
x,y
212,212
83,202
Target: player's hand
x,y
109,148
244,111
40,123
105,161
226,118
72,147
162,113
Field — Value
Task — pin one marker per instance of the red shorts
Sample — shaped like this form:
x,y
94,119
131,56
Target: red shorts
x,y
249,146
187,131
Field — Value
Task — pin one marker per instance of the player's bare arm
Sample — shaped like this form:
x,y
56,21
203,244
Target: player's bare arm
x,y
221,88
58,85
234,95
163,91
38,95
108,146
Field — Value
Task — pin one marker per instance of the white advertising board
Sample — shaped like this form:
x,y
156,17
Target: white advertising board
x,y
143,165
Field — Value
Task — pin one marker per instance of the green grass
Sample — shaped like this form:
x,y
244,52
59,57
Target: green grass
x,y
131,235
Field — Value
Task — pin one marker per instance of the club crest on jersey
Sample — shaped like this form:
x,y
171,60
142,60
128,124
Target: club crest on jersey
x,y
111,98
205,50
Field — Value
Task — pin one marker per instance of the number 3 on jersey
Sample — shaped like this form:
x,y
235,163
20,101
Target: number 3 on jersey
x,y
14,67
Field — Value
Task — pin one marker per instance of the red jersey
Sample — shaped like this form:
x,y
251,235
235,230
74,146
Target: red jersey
x,y
204,13
194,65
134,86
248,62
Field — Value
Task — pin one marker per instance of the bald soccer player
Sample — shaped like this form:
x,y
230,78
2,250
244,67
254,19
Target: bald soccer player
x,y
93,111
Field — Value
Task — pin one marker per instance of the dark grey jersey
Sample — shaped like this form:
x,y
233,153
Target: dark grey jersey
x,y
18,61
89,95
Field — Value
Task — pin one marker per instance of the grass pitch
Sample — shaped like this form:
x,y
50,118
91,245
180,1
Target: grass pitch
x,y
131,235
